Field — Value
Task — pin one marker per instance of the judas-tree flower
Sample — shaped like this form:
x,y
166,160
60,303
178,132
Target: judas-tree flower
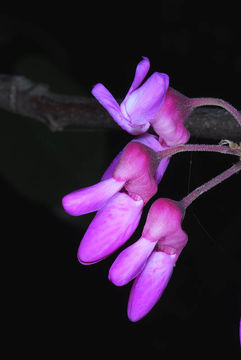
x,y
151,259
152,103
141,103
155,104
127,185
170,120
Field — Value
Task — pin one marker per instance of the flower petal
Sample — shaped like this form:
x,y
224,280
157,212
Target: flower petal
x,y
141,71
130,262
173,243
110,104
91,198
149,285
163,219
169,122
143,104
112,227
152,142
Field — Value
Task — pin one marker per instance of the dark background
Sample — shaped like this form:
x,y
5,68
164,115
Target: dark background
x,y
53,305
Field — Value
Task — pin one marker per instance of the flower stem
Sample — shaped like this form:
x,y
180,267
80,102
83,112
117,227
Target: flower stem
x,y
187,200
196,102
194,147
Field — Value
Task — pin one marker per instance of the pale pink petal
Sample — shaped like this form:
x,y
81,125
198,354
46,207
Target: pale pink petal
x,y
143,104
130,262
112,226
141,71
149,285
91,198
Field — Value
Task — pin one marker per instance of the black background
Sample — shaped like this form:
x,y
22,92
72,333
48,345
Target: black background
x,y
53,305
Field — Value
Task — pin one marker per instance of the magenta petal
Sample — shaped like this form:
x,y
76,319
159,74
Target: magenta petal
x,y
130,262
149,285
91,198
110,104
152,142
143,104
141,71
175,241
112,227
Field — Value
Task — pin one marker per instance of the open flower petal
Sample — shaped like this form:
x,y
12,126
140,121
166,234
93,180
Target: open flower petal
x,y
130,262
112,227
91,198
143,104
110,104
149,285
141,71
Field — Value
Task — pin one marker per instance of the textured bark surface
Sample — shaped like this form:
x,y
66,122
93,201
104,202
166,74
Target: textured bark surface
x,y
21,96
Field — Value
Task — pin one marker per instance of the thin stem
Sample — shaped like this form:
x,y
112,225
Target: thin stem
x,y
196,102
187,200
195,147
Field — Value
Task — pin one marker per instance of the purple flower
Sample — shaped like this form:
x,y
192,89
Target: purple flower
x,y
151,259
141,103
153,103
126,186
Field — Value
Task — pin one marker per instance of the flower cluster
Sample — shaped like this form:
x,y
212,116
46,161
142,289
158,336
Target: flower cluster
x,y
130,182
153,103
126,186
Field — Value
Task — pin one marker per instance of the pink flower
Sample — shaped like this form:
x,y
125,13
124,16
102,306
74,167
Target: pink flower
x,y
127,185
141,103
151,259
151,104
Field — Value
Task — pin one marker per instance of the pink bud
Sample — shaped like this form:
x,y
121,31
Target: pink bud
x,y
164,218
136,168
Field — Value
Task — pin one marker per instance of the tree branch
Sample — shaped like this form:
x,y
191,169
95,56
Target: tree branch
x,y
21,96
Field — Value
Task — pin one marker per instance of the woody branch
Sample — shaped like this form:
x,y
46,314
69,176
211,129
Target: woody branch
x,y
21,96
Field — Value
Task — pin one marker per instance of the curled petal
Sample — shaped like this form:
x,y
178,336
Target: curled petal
x,y
91,198
110,104
149,285
141,71
143,104
112,227
130,262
